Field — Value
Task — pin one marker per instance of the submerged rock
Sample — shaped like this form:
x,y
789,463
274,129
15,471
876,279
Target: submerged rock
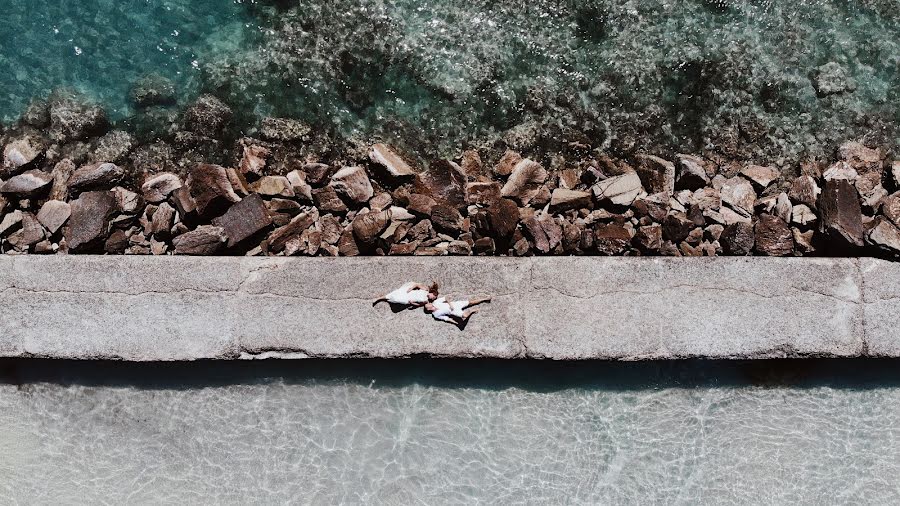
x,y
283,129
153,90
207,116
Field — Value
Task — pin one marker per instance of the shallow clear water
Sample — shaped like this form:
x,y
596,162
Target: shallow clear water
x,y
451,432
737,75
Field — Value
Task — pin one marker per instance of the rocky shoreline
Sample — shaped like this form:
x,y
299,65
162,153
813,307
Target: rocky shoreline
x,y
70,183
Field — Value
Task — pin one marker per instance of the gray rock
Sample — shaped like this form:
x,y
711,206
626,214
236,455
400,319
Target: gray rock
x,y
54,214
738,238
28,184
832,78
74,118
95,176
562,200
207,115
738,194
886,236
153,90
283,129
112,147
20,153
244,219
204,240
620,190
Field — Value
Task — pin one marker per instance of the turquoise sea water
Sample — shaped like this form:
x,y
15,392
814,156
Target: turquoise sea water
x,y
741,75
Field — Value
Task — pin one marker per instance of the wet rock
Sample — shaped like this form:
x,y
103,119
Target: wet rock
x,y
739,195
54,214
759,175
483,193
804,190
353,184
504,217
368,226
738,238
20,154
327,200
152,90
525,181
210,189
244,219
885,235
445,182
691,174
657,175
207,116
112,147
36,114
562,200
273,186
159,186
841,212
677,226
831,79
773,236
89,220
283,129
383,156
619,190
507,163
253,159
203,241
446,218
610,239
861,158
96,176
73,118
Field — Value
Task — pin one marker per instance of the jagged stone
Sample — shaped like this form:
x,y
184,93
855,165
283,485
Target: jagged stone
x,y
610,239
327,200
54,214
504,217
445,182
863,159
759,175
381,201
368,226
61,173
446,218
471,164
316,173
507,163
203,241
273,186
691,173
544,231
353,183
244,219
10,222
280,236
20,154
113,147
158,187
895,173
831,78
253,159
841,212
657,175
95,176
207,115
619,190
840,170
525,181
28,184
163,219
386,158
891,208
483,193
677,226
773,236
738,238
649,237
738,194
801,214
89,220
210,189
804,190
886,236
301,188
562,200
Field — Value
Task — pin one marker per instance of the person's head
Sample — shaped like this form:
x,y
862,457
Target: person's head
x,y
433,292
429,307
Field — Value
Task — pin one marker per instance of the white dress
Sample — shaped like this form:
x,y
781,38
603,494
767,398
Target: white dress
x,y
445,311
407,297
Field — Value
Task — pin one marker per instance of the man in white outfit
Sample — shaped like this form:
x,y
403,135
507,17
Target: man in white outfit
x,y
411,294
455,312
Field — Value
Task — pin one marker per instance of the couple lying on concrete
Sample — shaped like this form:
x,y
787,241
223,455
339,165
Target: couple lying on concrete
x,y
419,295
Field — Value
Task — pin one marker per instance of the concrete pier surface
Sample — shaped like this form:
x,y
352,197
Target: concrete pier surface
x,y
180,308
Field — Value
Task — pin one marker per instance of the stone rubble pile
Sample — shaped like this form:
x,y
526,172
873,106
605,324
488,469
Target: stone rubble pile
x,y
68,184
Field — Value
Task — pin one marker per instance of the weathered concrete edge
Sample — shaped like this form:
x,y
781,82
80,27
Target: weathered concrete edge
x,y
175,308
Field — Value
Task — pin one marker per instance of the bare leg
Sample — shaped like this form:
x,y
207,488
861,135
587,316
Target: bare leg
x,y
467,314
481,300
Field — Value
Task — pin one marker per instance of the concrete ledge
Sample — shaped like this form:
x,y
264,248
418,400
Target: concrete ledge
x,y
179,308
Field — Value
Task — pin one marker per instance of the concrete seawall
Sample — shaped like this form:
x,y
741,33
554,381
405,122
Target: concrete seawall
x,y
179,308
